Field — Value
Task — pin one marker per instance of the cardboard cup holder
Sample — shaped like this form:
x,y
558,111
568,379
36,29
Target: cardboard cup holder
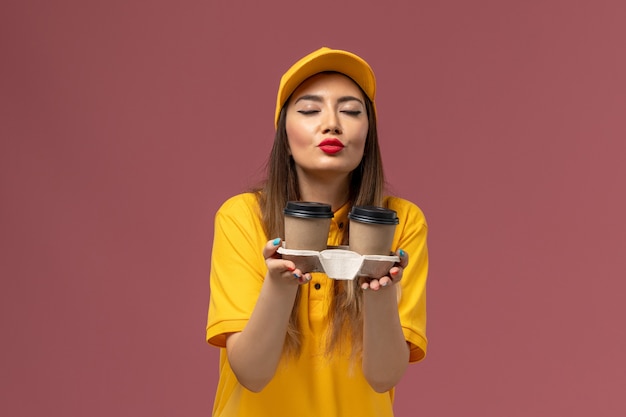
x,y
340,263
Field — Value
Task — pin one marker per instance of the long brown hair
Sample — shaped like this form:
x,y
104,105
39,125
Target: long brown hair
x,y
366,188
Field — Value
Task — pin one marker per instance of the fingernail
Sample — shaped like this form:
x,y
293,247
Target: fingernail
x,y
364,286
276,241
394,272
384,283
401,252
291,269
297,275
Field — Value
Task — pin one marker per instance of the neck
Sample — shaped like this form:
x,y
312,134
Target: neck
x,y
334,191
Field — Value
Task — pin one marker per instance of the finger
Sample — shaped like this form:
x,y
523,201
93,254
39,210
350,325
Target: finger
x,y
286,270
270,248
278,265
395,273
299,276
364,283
375,285
404,257
385,281
304,279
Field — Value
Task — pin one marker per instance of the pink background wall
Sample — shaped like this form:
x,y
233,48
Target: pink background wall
x,y
124,125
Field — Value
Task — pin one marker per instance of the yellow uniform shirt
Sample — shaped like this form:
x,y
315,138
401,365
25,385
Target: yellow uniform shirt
x,y
312,384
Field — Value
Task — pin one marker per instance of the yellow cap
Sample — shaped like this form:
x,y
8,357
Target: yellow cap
x,y
322,60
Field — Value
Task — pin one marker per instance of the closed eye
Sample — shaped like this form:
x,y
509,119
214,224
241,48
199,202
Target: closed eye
x,y
307,112
352,112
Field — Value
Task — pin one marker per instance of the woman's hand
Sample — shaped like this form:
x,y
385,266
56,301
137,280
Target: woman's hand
x,y
394,276
280,269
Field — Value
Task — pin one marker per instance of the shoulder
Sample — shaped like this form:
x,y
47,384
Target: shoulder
x,y
406,209
240,204
240,211
238,218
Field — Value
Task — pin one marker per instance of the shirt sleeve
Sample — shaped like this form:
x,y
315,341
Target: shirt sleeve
x,y
237,267
410,236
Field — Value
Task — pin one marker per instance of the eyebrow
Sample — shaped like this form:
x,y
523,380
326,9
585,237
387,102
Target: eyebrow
x,y
313,97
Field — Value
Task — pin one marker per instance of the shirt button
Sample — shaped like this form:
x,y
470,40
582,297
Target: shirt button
x,y
317,286
341,225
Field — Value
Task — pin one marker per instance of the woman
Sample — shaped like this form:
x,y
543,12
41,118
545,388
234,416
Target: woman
x,y
296,343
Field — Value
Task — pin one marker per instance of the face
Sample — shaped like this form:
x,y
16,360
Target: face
x,y
327,125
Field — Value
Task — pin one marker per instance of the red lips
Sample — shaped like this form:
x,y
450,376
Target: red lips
x,y
331,145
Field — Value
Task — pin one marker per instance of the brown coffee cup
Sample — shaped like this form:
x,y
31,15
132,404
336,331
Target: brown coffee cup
x,y
372,229
307,225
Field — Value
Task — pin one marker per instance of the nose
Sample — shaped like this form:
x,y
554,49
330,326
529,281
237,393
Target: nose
x,y
331,124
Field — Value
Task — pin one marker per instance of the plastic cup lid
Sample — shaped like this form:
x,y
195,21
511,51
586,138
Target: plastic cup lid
x,y
373,215
308,209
